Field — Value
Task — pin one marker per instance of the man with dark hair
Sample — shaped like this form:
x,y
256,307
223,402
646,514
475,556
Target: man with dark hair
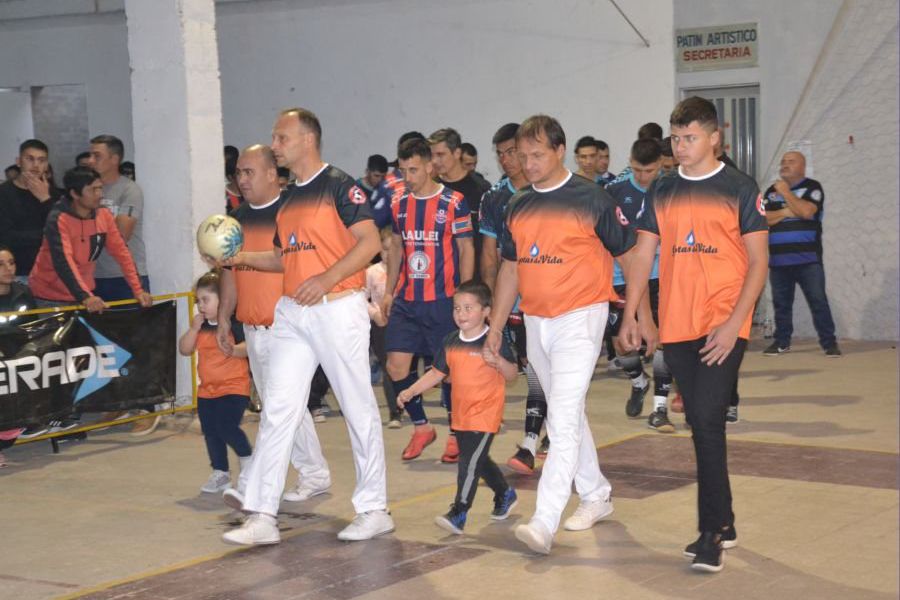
x,y
233,197
470,163
11,172
794,209
469,157
25,202
431,253
630,198
604,177
709,224
83,159
446,154
390,188
125,200
493,227
650,131
556,253
586,158
668,162
127,169
284,177
324,239
376,169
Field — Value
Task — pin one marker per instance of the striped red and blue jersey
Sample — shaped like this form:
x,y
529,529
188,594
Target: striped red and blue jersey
x,y
429,228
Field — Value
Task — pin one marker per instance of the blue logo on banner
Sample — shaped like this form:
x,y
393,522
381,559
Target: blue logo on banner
x,y
98,380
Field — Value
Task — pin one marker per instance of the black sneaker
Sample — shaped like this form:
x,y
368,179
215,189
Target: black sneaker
x,y
544,448
522,461
731,416
776,350
659,420
635,405
454,521
728,540
33,432
833,351
503,504
708,555
63,425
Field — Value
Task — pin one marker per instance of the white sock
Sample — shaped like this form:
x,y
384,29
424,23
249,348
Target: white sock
x,y
640,381
530,442
659,402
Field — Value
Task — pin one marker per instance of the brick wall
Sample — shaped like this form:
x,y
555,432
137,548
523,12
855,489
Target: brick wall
x,y
61,121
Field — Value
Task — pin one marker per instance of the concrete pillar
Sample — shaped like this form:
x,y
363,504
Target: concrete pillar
x,y
177,121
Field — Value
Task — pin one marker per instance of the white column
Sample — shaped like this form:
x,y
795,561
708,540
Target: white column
x,y
177,121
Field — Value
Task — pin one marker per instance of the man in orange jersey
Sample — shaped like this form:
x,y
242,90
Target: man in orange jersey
x,y
561,231
324,239
254,294
710,226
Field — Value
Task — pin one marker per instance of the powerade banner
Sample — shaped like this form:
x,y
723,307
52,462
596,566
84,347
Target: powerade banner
x,y
71,362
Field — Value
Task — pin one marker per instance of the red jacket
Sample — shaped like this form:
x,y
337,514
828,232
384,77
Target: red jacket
x,y
64,268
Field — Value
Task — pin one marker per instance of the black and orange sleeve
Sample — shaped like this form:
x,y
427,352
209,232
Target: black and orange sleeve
x,y
752,212
612,227
351,202
647,221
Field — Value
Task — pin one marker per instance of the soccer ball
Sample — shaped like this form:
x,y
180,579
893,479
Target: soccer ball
x,y
220,237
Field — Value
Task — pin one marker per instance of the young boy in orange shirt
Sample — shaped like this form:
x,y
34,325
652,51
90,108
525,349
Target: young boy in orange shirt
x,y
478,381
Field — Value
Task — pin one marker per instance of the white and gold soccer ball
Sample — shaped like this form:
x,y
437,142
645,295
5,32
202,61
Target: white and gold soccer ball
x,y
220,237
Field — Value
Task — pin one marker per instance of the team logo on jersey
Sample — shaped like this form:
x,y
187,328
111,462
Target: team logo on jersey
x,y
816,195
621,216
627,200
441,217
356,195
292,241
760,205
418,263
295,245
692,246
536,258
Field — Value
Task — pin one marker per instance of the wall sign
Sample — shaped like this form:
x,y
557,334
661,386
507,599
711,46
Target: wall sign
x,y
720,47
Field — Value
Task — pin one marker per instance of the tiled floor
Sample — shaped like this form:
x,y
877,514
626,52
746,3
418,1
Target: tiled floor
x,y
814,469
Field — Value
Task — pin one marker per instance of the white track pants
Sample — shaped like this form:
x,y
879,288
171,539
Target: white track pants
x,y
306,453
335,335
563,351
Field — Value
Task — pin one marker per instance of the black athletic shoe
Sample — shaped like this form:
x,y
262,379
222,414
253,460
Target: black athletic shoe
x,y
522,461
833,351
63,425
728,540
708,555
776,350
544,448
659,420
731,416
635,405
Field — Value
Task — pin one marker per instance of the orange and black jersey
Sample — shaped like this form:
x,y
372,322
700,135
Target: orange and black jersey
x,y
64,267
479,390
312,227
257,291
220,375
429,228
702,258
562,240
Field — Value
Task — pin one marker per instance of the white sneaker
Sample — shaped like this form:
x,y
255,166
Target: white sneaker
x,y
257,529
217,482
587,514
536,536
306,490
366,526
394,424
233,499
